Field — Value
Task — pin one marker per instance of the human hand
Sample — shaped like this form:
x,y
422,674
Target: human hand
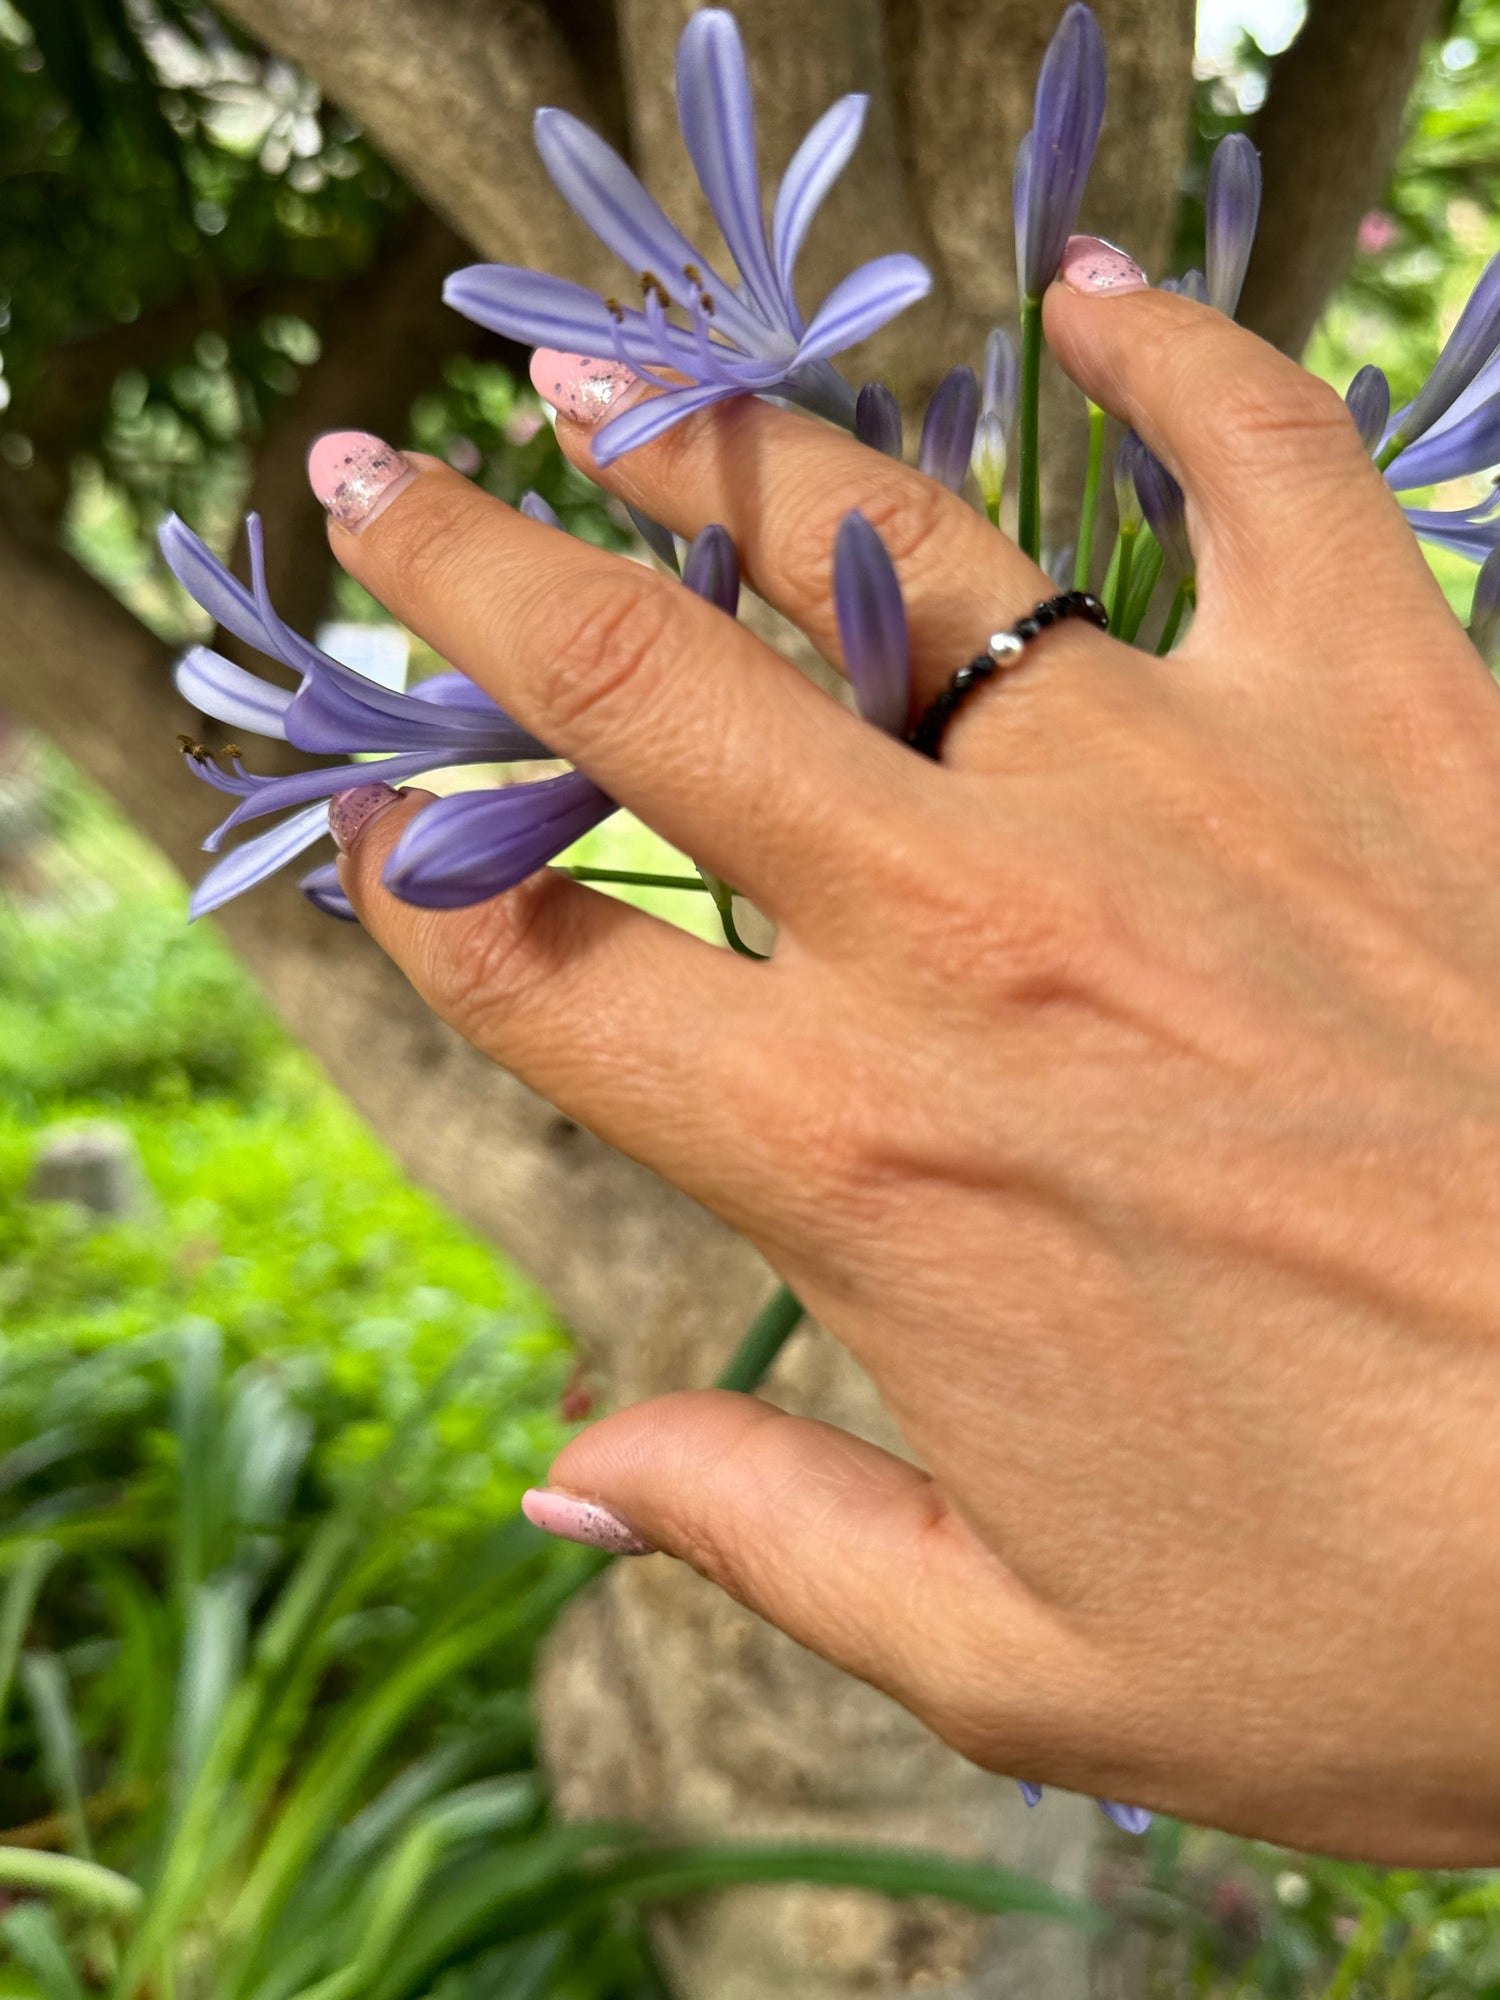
x,y
1123,1091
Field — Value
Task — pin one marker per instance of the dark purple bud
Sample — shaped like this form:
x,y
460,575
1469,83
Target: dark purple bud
x,y
1032,1794
948,428
1484,618
1002,374
712,569
325,892
1369,401
658,540
1470,345
1064,133
877,419
1233,211
1165,509
872,624
473,845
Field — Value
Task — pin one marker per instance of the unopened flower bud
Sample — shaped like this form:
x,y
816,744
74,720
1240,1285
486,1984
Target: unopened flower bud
x,y
988,458
1369,402
1484,618
877,419
1127,500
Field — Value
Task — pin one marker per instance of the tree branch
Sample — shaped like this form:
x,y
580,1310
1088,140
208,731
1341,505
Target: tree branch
x,y
1328,134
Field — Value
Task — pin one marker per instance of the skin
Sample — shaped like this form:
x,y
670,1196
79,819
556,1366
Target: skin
x,y
1124,1091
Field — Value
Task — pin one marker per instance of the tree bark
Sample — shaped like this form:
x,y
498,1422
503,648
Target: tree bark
x,y
1328,134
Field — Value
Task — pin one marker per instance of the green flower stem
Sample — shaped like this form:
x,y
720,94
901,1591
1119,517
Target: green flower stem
x,y
1394,449
1183,596
764,1339
85,1883
1083,562
1145,575
1118,591
1361,1949
638,879
1029,505
732,937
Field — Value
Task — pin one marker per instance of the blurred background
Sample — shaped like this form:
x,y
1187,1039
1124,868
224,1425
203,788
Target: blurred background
x,y
268,1625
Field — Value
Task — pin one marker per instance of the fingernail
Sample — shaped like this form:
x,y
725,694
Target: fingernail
x,y
349,813
1091,265
356,476
581,389
581,1521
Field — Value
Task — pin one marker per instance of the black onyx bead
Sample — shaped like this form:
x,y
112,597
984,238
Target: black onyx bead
x,y
964,678
1045,614
1027,628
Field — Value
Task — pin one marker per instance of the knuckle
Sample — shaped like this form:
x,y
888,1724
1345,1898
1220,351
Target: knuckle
x,y
620,630
1290,417
481,967
915,517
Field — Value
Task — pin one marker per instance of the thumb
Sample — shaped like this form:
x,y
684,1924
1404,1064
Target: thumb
x,y
849,1550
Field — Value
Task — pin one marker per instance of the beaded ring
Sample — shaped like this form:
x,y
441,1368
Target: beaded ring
x,y
1001,655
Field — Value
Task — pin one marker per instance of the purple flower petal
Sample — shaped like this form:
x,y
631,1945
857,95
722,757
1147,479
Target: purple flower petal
x,y
815,166
543,311
872,624
1233,211
1164,507
877,419
658,539
1455,451
217,687
325,892
455,690
717,116
208,583
860,304
712,569
653,419
1369,402
1472,343
1064,133
1032,1794
1127,499
475,845
603,192
263,795
1020,202
1129,1819
1484,614
535,508
948,428
253,861
1467,531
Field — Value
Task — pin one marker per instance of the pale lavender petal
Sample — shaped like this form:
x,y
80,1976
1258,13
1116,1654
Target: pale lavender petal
x,y
1129,1819
253,861
1232,214
542,311
217,687
1484,615
659,540
325,892
872,624
860,304
208,583
535,508
717,116
948,428
1369,402
1191,285
1472,343
815,166
644,421
295,788
603,192
1032,1794
1467,531
711,569
1020,200
877,419
475,845
1165,510
455,690
1456,451
1002,375
1064,133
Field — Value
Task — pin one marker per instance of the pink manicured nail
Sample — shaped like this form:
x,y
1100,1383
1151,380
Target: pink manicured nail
x,y
1091,265
349,813
583,390
581,1521
356,476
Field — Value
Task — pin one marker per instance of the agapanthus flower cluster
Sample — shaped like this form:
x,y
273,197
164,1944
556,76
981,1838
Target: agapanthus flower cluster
x,y
699,337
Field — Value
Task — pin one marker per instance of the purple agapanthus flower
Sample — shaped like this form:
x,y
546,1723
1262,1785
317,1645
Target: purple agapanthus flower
x,y
736,340
445,722
1053,162
872,624
1470,349
1129,1819
999,386
1463,442
1232,214
1164,507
